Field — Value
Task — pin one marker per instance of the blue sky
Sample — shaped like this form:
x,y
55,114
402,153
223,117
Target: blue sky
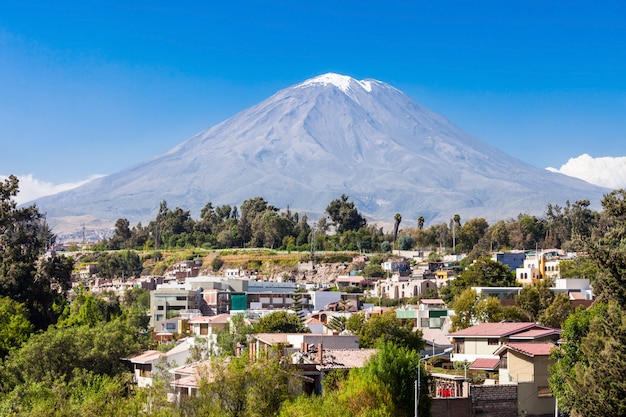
x,y
92,87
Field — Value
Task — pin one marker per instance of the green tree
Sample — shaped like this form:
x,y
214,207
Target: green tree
x,y
464,306
484,272
587,377
489,310
395,367
387,328
24,237
405,242
557,312
248,389
281,322
344,215
470,310
534,299
15,328
63,353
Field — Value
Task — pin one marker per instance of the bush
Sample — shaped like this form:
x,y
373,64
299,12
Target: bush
x,y
217,263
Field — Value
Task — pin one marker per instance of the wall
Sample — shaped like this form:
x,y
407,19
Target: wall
x,y
484,401
494,400
531,404
451,407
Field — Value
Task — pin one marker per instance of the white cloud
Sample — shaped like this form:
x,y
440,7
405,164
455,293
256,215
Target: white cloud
x,y
606,171
31,188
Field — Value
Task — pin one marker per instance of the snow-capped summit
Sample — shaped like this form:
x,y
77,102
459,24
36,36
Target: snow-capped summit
x,y
330,135
342,82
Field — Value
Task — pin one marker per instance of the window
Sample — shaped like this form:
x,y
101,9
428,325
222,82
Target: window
x,y
504,359
493,342
459,347
160,308
544,392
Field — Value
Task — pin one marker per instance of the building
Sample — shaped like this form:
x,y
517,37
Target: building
x,y
527,364
168,301
482,340
513,260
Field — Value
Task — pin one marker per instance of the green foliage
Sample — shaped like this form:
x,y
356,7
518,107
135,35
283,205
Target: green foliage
x,y
356,396
217,263
242,388
405,242
373,271
579,267
86,394
62,353
395,368
484,272
281,322
344,215
471,309
588,374
24,237
15,328
464,306
385,246
125,264
355,322
557,312
237,334
387,328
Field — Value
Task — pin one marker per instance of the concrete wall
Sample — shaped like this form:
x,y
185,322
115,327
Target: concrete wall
x,y
531,404
451,407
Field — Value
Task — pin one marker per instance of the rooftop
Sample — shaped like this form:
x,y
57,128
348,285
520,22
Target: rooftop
x,y
528,349
496,329
485,364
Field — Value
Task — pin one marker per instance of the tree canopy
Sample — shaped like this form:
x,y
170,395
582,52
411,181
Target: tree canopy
x,y
40,284
281,322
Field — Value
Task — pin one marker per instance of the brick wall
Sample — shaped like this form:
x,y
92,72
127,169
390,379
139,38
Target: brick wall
x,y
494,400
484,401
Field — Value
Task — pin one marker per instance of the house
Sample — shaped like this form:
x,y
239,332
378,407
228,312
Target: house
x,y
513,260
150,363
187,379
402,287
435,341
288,343
142,367
345,281
482,340
207,327
315,362
168,300
527,364
543,265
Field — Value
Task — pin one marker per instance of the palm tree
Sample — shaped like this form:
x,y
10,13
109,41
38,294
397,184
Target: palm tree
x,y
397,219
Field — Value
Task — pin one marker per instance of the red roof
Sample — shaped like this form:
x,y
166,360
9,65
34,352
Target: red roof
x,y
486,364
528,349
496,329
535,333
219,319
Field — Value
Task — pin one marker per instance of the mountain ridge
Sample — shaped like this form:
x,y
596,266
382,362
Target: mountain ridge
x,y
330,135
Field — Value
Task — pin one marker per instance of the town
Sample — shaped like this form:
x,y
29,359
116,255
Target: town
x,y
417,331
